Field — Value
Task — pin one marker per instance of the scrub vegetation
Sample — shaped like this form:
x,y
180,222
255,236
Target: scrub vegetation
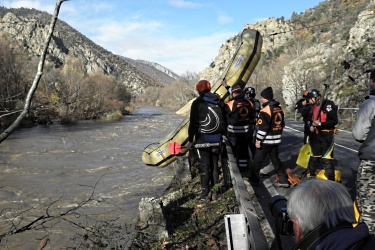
x,y
66,94
192,224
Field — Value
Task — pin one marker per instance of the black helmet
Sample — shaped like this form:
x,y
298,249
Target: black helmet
x,y
313,93
236,89
250,91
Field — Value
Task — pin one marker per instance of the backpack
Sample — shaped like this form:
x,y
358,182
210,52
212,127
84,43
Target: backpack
x,y
213,126
242,112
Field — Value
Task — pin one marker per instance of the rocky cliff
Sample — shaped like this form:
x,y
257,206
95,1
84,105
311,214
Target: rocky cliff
x,y
155,70
315,55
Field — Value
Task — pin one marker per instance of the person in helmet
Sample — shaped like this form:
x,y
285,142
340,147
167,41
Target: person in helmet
x,y
250,95
322,122
207,125
304,108
240,116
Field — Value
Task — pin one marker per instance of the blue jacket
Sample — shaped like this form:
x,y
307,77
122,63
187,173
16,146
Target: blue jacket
x,y
344,238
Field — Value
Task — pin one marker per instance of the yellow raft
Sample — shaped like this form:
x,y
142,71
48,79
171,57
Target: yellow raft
x,y
240,68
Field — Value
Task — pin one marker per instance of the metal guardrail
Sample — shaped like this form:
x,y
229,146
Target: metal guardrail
x,y
256,237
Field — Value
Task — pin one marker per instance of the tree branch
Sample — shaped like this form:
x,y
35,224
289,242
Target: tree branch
x,y
38,75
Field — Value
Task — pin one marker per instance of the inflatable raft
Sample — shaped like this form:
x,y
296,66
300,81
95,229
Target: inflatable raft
x,y
239,70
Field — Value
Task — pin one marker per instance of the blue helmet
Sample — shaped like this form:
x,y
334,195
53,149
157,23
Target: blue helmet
x,y
250,91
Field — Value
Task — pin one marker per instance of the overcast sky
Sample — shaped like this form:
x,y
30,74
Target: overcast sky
x,y
181,35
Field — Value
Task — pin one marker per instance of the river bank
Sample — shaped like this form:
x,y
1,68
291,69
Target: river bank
x,y
191,224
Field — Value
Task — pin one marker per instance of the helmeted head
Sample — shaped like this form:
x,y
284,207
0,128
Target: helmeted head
x,y
236,89
313,93
313,96
250,91
202,86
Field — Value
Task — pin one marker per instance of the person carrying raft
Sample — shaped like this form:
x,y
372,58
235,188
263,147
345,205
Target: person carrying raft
x,y
240,116
207,125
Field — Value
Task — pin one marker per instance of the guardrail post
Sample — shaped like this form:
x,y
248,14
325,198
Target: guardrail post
x,y
256,237
236,231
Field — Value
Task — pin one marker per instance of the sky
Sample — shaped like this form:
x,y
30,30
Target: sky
x,y
181,35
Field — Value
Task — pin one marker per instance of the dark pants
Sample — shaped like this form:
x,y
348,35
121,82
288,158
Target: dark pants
x,y
251,140
273,151
208,163
306,132
322,146
240,147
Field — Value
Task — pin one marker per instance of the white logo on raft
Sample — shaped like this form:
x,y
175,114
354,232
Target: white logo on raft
x,y
238,62
160,153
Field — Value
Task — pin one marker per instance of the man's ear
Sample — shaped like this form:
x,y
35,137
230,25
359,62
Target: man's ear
x,y
298,234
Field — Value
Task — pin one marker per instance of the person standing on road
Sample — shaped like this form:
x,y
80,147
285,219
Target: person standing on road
x,y
364,132
322,128
239,115
250,95
207,125
322,213
304,108
269,130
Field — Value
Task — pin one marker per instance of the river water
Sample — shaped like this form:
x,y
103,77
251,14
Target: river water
x,y
48,170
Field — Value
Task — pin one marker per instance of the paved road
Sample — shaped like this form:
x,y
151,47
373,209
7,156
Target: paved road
x,y
346,160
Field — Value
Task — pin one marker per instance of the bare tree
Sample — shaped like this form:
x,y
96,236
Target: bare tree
x,y
180,92
38,75
13,81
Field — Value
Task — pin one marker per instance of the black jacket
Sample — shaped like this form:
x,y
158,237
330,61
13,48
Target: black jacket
x,y
205,118
240,114
328,115
270,123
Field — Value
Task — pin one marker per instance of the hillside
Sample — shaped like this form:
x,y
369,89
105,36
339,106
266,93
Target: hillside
x,y
28,27
332,43
155,70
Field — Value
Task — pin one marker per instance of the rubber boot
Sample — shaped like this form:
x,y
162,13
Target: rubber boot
x,y
328,165
313,165
205,179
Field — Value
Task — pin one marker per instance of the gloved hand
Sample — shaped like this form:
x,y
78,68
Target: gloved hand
x,y
189,145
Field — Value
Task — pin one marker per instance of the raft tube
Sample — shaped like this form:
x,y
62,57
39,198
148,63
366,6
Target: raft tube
x,y
239,70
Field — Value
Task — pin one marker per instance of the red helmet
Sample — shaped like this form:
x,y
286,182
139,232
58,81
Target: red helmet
x,y
305,93
203,85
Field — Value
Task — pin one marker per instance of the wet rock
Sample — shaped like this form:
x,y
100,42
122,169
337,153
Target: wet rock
x,y
151,217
